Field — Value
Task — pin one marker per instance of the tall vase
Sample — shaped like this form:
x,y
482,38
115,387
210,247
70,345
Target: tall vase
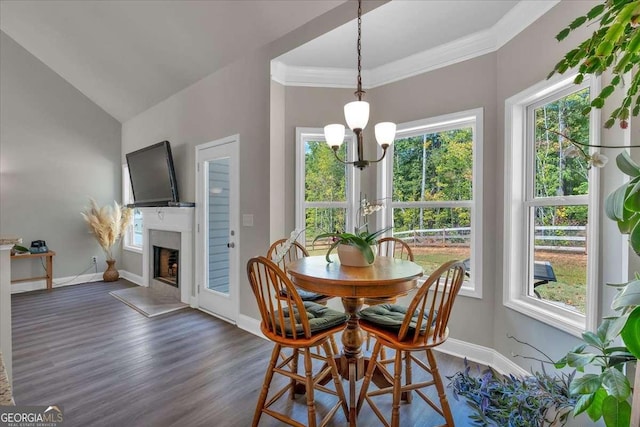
x,y
351,256
111,273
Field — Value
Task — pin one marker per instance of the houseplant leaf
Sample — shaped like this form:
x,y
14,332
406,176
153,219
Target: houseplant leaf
x,y
632,199
629,296
595,409
584,403
634,239
627,165
631,333
614,203
615,412
586,384
616,383
578,360
593,339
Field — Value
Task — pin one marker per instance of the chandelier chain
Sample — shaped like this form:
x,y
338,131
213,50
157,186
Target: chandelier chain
x,y
359,92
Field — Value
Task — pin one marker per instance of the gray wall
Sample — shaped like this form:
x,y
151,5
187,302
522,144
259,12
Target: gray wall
x,y
234,100
480,82
57,149
314,108
463,86
524,61
419,97
238,99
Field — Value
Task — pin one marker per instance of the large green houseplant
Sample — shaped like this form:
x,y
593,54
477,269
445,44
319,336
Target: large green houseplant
x,y
613,47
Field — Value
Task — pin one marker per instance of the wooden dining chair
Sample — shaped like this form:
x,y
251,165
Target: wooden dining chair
x,y
292,323
419,327
283,256
395,248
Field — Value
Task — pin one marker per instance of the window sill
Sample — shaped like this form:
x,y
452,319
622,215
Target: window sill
x,y
556,317
132,249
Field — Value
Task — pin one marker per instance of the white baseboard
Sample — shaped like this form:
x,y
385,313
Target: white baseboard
x,y
133,278
250,325
483,355
473,352
58,282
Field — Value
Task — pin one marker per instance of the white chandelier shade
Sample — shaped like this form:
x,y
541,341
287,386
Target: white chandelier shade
x,y
334,135
356,114
385,132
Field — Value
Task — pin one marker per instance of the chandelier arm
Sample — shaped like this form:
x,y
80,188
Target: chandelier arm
x,y
335,153
384,152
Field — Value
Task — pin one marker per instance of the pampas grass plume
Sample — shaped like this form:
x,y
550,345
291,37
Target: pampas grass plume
x,y
107,224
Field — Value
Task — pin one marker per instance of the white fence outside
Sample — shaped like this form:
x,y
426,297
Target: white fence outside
x,y
569,238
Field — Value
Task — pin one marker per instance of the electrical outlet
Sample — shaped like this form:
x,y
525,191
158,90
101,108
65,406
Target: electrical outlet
x,y
94,259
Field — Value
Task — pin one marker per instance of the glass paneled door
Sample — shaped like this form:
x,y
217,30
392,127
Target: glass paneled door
x,y
217,210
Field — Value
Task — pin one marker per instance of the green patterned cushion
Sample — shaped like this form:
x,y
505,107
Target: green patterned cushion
x,y
391,316
306,295
320,318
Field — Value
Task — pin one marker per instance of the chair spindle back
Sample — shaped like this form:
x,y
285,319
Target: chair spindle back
x,y
395,248
435,298
276,296
293,253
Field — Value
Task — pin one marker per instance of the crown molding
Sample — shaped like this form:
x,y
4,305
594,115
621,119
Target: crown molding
x,y
510,25
459,50
518,18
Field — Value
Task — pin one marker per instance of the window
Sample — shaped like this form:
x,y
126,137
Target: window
x,y
431,184
551,215
133,235
326,190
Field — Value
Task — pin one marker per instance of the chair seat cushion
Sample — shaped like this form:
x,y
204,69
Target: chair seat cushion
x,y
320,318
309,296
391,316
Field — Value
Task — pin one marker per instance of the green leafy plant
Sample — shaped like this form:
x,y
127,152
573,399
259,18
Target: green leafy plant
x,y
537,400
362,240
604,394
613,46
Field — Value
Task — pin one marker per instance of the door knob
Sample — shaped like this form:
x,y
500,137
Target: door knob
x,y
231,245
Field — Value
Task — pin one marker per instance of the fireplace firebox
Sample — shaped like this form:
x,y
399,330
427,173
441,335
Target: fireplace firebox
x,y
166,265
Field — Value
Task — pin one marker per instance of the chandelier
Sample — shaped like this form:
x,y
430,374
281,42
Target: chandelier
x,y
356,114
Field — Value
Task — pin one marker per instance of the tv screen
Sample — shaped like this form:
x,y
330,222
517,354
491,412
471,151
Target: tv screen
x,y
153,178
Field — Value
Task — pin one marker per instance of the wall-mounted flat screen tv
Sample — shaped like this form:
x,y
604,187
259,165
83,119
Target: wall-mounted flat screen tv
x,y
153,178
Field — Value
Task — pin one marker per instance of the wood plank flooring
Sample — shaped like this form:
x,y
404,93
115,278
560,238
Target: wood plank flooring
x,y
108,365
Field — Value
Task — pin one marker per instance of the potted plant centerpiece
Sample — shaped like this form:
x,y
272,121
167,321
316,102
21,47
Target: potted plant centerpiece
x,y
107,224
356,249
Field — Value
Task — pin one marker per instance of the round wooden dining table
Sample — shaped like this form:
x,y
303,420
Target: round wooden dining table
x,y
387,277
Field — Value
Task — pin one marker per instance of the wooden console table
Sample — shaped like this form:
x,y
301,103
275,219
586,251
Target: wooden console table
x,y
49,267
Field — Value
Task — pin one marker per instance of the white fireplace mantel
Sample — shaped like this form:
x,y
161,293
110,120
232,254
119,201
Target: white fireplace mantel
x,y
179,220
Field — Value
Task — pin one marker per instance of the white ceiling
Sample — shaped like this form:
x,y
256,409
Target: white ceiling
x,y
399,29
127,56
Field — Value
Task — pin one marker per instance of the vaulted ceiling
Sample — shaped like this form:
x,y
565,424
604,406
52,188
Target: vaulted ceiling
x,y
127,56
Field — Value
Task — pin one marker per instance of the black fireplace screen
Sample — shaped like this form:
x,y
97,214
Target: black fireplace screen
x,y
165,265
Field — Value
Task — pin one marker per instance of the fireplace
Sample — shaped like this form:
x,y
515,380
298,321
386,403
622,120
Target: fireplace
x,y
164,262
165,265
170,228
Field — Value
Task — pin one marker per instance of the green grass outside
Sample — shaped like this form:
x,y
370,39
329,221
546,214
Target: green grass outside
x,y
570,270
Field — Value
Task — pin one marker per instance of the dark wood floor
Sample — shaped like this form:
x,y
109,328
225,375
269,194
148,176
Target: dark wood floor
x,y
108,365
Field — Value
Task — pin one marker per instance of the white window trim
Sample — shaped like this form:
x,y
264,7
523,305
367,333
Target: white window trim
x,y
515,260
475,119
127,198
351,205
